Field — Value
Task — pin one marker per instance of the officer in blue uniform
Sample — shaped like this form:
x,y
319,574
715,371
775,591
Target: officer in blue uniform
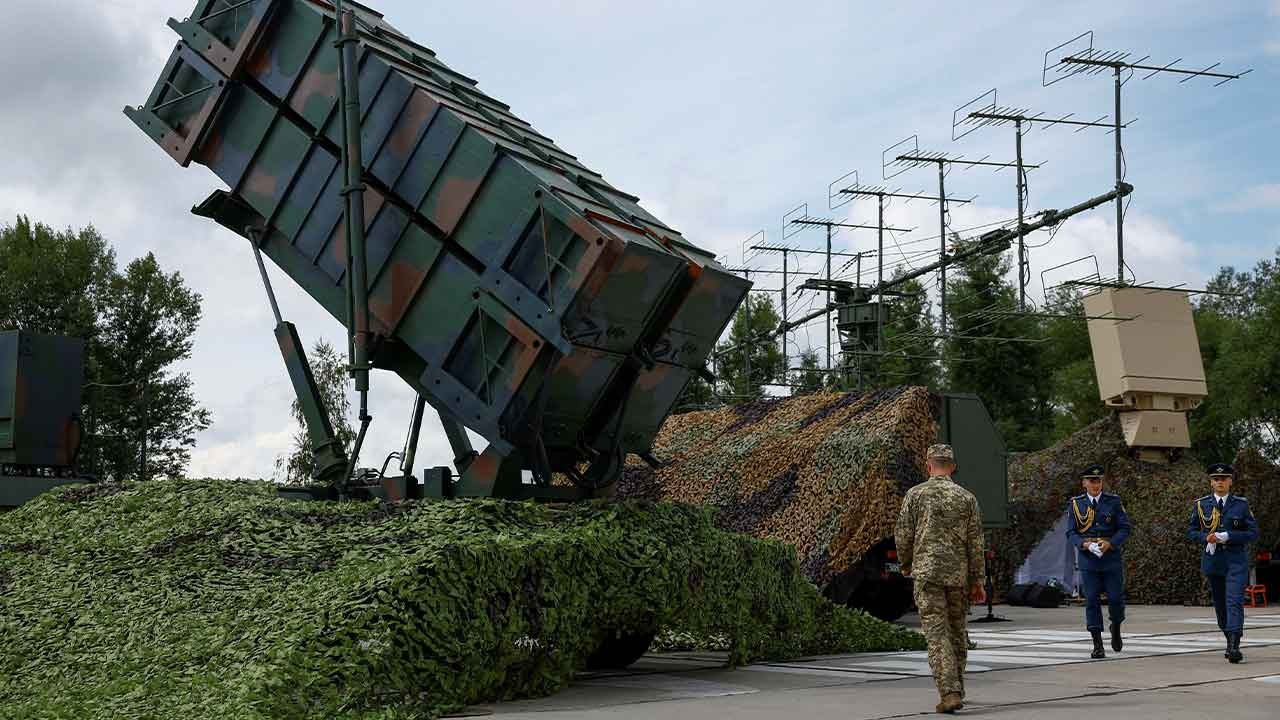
x,y
1097,526
1223,525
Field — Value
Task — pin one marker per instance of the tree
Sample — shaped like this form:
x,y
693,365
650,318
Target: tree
x,y
53,282
148,322
136,325
1068,356
1237,334
329,369
747,361
986,356
697,395
809,378
907,338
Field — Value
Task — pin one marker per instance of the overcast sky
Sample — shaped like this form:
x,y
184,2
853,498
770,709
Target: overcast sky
x,y
721,116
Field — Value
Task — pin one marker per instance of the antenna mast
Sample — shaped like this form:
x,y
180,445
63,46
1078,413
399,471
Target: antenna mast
x,y
1078,56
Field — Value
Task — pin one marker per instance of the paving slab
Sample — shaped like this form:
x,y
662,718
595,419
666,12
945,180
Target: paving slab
x,y
1037,666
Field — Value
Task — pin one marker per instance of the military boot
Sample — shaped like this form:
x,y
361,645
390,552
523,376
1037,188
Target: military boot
x,y
1227,653
1117,643
1233,648
951,702
1098,652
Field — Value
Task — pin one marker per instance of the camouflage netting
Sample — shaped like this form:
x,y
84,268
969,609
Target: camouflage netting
x,y
216,599
824,473
1161,565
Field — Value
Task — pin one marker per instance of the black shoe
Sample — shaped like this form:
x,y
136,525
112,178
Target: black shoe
x,y
1233,648
1117,643
1098,652
1227,653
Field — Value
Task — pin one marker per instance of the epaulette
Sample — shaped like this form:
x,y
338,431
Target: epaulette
x,y
1079,496
1206,497
1240,497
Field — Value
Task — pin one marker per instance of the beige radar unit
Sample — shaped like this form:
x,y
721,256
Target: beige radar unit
x,y
1148,364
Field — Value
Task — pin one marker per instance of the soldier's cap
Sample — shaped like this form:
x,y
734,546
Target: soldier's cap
x,y
1220,469
941,452
1093,471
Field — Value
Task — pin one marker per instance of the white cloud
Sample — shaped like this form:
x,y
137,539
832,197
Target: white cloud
x,y
1258,197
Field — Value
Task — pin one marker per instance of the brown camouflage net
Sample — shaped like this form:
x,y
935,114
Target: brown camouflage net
x,y
824,473
1161,566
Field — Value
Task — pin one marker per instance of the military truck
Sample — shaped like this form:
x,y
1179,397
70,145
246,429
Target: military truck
x,y
824,473
41,379
877,584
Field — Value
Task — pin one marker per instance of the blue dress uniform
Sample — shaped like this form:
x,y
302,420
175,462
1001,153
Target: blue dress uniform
x,y
1227,569
1089,520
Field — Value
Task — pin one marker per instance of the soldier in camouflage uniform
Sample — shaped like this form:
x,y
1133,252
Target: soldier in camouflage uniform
x,y
939,540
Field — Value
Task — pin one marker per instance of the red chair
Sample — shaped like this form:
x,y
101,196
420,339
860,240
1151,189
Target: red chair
x,y
1255,596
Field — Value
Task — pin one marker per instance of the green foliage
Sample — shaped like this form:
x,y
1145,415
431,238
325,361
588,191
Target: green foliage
x,y
752,362
909,360
53,282
1238,343
1068,358
137,325
808,379
215,599
333,382
148,323
1009,376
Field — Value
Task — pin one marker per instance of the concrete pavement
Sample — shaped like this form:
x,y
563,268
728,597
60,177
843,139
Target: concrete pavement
x,y
1035,666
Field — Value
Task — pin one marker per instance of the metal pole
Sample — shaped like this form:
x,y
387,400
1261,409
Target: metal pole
x,y
746,349
93,433
266,281
1119,198
828,299
1022,261
858,358
785,356
415,429
142,460
357,275
942,243
880,273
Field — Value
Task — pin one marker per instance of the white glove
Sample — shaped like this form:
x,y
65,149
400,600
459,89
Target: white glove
x,y
1210,547
1096,549
1222,536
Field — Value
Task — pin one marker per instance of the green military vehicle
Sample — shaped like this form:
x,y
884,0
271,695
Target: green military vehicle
x,y
878,586
41,377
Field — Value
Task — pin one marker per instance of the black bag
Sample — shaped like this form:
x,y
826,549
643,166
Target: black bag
x,y
1018,594
1044,596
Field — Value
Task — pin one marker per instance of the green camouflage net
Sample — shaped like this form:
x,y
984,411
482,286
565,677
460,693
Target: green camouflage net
x,y
824,473
1161,565
216,599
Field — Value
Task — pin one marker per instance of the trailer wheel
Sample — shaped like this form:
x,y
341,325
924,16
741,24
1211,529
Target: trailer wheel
x,y
875,586
619,650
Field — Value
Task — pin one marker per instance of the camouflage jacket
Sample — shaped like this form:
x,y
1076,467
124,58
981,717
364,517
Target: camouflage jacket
x,y
939,534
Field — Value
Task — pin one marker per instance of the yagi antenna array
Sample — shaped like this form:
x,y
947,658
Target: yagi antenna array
x,y
1078,56
986,111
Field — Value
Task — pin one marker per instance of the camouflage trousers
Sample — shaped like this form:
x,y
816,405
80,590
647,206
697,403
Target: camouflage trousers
x,y
943,613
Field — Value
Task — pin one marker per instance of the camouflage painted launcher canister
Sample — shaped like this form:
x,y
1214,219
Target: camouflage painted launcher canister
x,y
513,287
